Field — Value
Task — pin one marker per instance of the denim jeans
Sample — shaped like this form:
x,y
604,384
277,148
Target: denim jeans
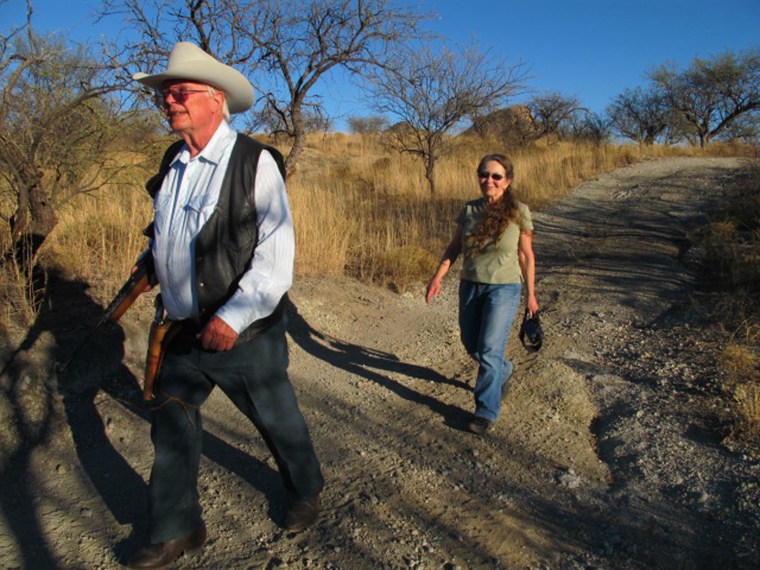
x,y
253,375
486,313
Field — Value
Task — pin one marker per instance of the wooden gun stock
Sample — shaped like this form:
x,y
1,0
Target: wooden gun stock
x,y
161,333
142,276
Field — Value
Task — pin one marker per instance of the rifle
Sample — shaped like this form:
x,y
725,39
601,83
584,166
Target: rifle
x,y
142,276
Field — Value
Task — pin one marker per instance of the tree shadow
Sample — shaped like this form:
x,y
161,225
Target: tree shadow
x,y
65,310
582,237
358,360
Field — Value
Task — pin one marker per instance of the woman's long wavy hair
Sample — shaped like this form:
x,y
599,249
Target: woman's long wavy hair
x,y
499,215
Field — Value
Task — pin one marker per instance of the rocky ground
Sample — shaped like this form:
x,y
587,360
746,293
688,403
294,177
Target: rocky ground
x,y
608,452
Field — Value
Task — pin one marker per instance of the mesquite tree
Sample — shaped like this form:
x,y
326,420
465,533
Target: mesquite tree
x,y
641,115
285,47
54,125
430,92
712,94
553,113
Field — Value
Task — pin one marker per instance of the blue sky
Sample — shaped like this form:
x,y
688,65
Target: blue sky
x,y
590,49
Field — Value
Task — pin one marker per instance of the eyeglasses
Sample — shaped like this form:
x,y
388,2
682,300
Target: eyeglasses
x,y
485,175
179,94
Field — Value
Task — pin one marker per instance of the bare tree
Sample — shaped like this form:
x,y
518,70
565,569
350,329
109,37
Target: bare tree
x,y
314,120
367,126
54,125
553,113
589,126
640,115
713,93
284,46
432,92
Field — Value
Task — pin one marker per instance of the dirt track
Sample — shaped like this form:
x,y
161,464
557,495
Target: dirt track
x,y
607,454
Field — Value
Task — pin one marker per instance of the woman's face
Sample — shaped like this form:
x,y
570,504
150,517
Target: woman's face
x,y
493,181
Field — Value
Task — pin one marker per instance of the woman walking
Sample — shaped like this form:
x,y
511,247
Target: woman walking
x,y
495,234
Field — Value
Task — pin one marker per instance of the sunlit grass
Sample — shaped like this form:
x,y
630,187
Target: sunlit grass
x,y
360,209
98,237
365,212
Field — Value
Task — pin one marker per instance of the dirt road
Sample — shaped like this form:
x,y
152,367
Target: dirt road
x,y
607,454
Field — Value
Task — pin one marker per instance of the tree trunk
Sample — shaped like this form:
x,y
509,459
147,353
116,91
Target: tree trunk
x,y
430,175
299,138
291,162
31,224
44,218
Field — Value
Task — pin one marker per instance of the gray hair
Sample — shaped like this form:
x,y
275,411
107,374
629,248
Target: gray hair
x,y
225,107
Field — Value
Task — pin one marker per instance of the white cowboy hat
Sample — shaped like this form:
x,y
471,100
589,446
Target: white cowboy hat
x,y
188,61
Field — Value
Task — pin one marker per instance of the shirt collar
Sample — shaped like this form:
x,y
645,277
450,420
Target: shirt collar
x,y
214,151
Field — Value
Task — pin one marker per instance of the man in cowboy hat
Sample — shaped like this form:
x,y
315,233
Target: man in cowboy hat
x,y
223,247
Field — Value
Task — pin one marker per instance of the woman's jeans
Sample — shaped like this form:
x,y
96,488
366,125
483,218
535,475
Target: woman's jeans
x,y
486,313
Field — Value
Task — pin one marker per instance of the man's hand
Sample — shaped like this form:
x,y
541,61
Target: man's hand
x,y
217,335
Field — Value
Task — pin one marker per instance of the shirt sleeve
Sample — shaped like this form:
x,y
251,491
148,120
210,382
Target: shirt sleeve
x,y
526,219
270,273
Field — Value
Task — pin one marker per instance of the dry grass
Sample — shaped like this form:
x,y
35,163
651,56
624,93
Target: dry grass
x,y
19,291
731,242
360,209
98,238
363,211
739,363
746,425
741,367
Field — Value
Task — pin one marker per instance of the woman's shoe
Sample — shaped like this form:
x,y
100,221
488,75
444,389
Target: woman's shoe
x,y
479,425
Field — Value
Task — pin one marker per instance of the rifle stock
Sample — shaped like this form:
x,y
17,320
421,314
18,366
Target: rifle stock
x,y
162,331
141,277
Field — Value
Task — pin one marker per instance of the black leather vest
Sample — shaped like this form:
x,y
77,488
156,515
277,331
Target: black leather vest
x,y
225,245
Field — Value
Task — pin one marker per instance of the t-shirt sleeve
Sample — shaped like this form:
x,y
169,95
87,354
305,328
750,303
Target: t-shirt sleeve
x,y
526,220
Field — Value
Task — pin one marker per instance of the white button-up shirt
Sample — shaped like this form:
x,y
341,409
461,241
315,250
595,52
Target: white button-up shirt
x,y
187,198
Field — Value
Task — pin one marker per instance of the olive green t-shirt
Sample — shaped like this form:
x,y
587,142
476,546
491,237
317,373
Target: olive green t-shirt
x,y
496,263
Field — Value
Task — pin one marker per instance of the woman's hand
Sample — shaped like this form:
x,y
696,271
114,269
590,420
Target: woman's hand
x,y
433,289
531,305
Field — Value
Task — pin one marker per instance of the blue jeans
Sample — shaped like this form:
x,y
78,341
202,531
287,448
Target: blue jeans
x,y
486,313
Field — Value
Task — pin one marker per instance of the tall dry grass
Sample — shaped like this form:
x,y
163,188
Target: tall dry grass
x,y
731,245
360,210
98,238
365,212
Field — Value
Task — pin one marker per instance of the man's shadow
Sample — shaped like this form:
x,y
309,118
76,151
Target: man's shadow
x,y
68,314
358,360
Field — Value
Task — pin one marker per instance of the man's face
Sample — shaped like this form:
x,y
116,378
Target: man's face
x,y
190,108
